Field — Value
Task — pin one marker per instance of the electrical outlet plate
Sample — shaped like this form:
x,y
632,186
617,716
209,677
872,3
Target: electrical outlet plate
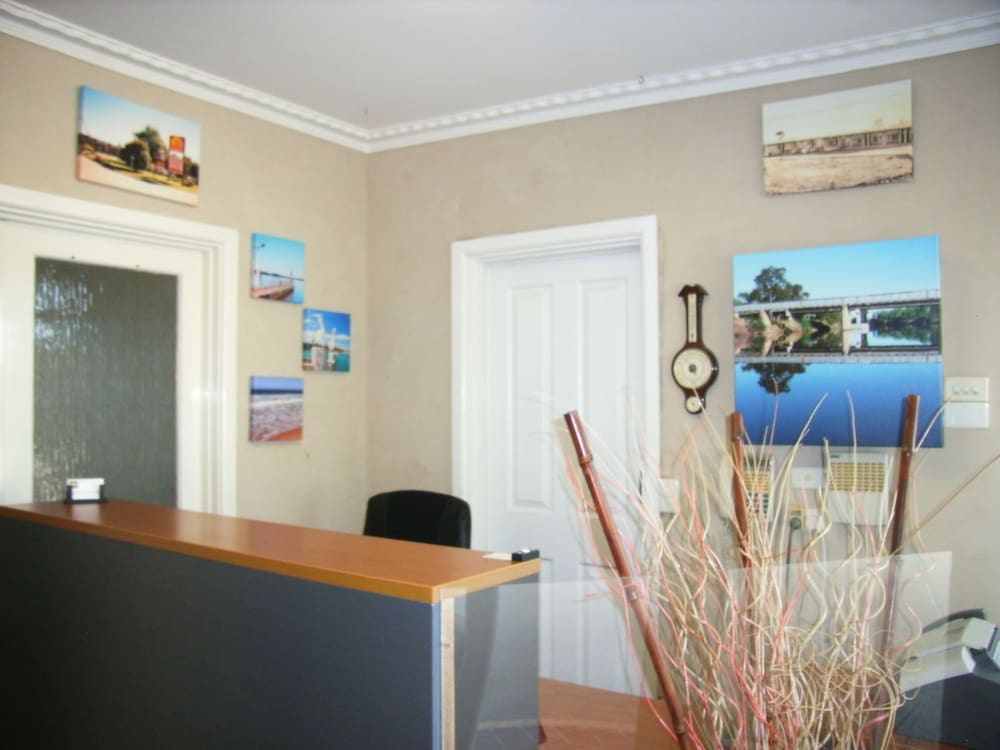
x,y
965,416
807,478
967,403
671,494
812,519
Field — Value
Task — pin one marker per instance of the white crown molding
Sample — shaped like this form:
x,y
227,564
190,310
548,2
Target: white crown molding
x,y
884,49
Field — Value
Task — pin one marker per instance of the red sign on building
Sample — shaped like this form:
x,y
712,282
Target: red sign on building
x,y
175,160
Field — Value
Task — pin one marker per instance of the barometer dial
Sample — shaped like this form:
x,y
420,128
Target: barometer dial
x,y
695,368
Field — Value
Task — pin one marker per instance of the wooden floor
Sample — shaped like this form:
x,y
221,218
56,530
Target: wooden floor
x,y
581,718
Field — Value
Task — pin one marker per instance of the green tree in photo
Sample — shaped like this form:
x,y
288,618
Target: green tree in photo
x,y
136,155
918,323
770,285
191,169
157,149
775,378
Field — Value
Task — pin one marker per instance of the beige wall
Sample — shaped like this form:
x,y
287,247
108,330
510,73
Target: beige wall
x,y
378,231
256,177
696,165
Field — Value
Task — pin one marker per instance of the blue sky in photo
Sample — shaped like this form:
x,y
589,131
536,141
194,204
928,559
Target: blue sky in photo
x,y
322,322
278,255
115,120
903,265
850,111
264,384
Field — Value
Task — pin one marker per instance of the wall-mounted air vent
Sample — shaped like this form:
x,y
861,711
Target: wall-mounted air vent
x,y
858,487
759,479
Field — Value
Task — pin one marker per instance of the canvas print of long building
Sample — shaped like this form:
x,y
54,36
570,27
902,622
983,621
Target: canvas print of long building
x,y
841,140
852,329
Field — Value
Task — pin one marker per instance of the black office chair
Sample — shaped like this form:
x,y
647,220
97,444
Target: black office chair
x,y
419,516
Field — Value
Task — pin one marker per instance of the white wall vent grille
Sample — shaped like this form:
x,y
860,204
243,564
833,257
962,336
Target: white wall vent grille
x,y
858,484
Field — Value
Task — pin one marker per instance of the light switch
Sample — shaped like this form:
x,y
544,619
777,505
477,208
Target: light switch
x,y
967,403
973,390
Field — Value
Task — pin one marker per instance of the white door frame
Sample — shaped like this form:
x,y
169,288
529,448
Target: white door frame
x,y
470,260
215,396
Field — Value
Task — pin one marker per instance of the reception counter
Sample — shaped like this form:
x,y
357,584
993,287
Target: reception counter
x,y
129,625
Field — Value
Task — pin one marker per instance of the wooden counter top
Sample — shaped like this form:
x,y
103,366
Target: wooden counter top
x,y
420,572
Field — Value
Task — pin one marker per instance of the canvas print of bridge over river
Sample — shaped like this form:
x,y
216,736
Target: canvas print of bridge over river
x,y
856,327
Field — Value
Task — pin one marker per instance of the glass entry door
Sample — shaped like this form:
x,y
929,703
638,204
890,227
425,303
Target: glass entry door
x,y
103,366
105,386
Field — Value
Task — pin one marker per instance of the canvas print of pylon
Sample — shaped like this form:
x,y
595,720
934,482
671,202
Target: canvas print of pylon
x,y
277,269
326,340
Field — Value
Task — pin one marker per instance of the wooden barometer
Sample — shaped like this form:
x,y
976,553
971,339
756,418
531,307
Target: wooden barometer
x,y
695,368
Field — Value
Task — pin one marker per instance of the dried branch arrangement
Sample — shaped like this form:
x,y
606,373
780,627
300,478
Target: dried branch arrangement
x,y
765,633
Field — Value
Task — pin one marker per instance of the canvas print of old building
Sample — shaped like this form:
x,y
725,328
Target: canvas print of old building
x,y
842,140
126,145
851,328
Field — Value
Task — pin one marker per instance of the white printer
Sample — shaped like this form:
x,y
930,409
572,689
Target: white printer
x,y
951,680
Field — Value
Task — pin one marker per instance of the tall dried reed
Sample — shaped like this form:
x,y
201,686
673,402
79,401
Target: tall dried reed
x,y
773,627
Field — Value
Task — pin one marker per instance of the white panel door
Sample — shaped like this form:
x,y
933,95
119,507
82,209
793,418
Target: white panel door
x,y
562,334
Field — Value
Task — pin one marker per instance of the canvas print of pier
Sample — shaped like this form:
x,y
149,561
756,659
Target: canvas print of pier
x,y
841,140
326,340
129,146
276,407
277,269
856,327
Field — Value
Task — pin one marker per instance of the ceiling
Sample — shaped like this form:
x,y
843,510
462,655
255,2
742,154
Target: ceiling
x,y
389,73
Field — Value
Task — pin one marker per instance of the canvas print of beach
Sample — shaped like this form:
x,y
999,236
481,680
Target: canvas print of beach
x,y
276,409
126,145
326,340
856,327
277,269
841,140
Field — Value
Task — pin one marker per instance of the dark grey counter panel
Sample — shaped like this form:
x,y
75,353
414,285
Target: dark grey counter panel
x,y
113,645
